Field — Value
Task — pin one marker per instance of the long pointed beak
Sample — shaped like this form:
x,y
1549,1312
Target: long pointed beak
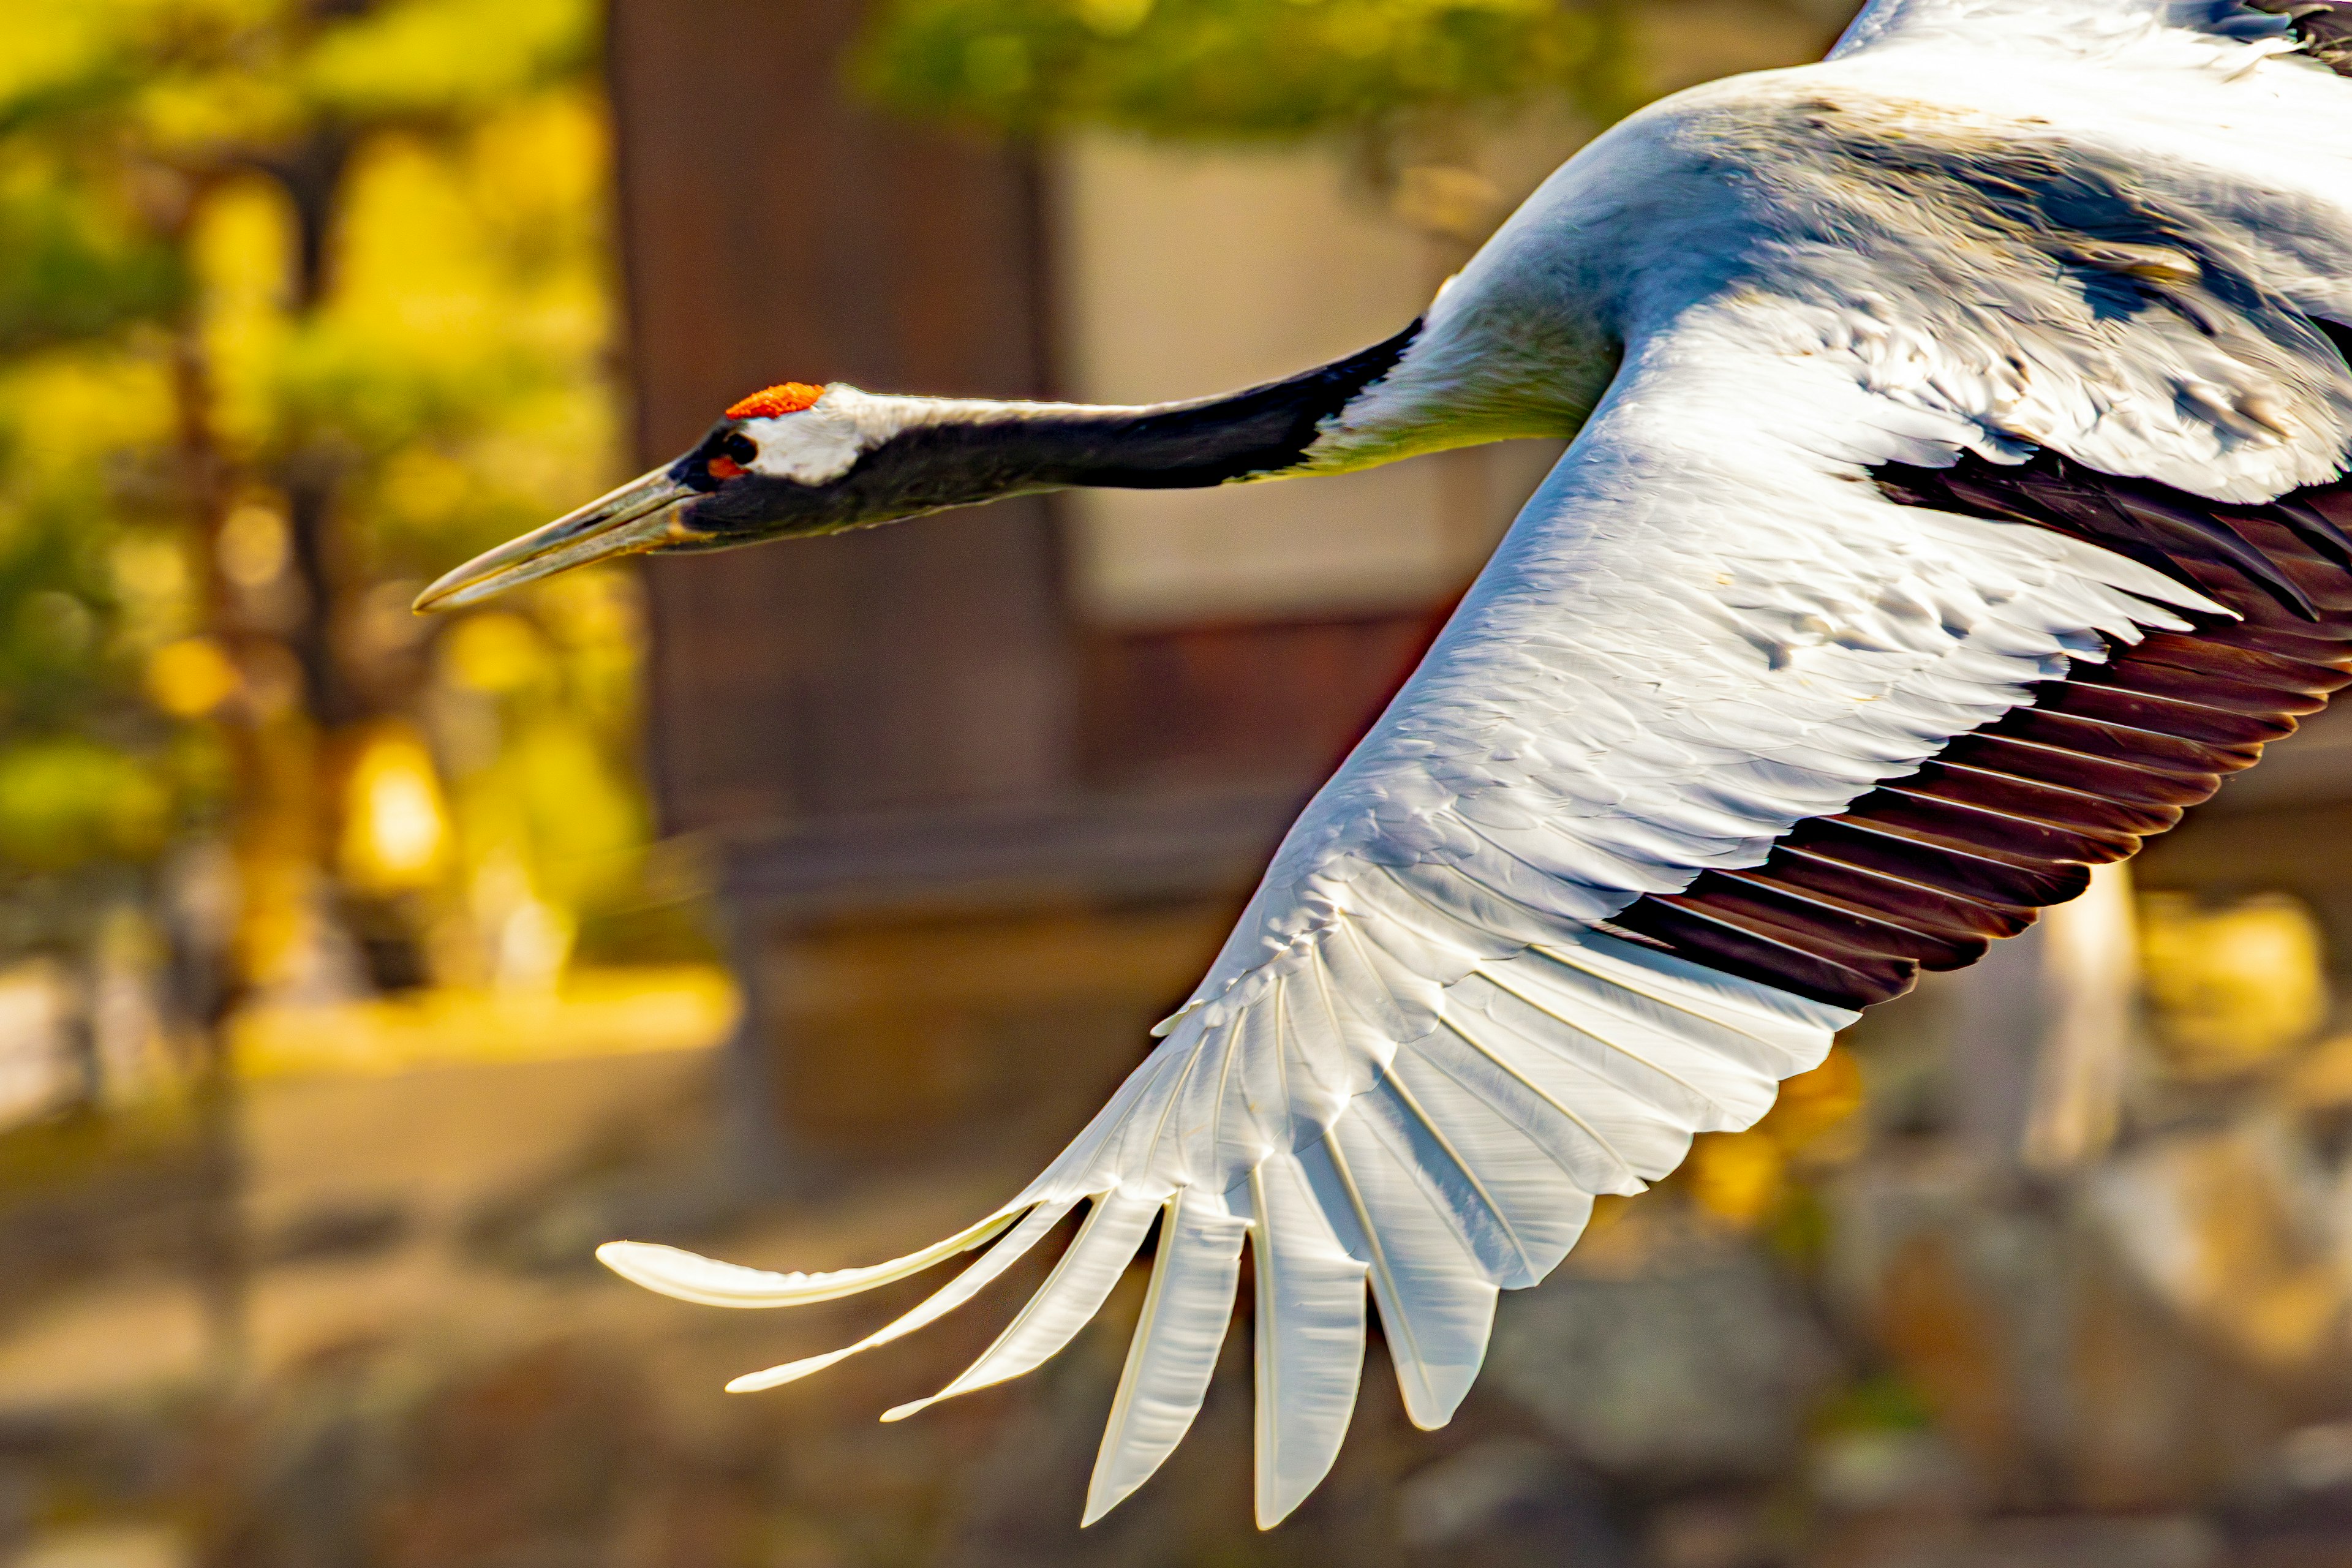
x,y
639,516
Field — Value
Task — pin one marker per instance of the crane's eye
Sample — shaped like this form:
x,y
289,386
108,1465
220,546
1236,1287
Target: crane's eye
x,y
733,454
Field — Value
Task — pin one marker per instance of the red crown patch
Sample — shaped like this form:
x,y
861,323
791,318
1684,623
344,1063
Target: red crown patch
x,y
789,397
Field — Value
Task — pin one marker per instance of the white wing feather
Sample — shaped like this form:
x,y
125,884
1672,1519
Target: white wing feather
x,y
1422,1054
1175,1348
1310,1336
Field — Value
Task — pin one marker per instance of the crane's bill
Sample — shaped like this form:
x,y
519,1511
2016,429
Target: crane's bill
x,y
637,517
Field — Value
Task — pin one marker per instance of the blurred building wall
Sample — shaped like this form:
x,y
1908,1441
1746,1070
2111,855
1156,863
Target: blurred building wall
x,y
1187,271
771,231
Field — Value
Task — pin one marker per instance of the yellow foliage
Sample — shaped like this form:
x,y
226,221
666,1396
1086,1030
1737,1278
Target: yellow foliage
x,y
2234,987
157,589
395,826
1813,1105
47,41
68,412
459,353
556,797
255,545
1740,1176
242,250
497,653
190,677
1737,1176
428,55
596,621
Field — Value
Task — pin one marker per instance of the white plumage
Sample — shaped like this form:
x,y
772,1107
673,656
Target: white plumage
x,y
2096,229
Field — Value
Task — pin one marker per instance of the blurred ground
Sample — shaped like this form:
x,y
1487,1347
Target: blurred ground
x,y
1905,1355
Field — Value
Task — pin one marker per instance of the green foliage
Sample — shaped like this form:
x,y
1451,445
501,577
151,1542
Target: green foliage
x,y
456,374
1237,69
73,266
84,427
437,59
65,801
53,601
1884,1402
205,83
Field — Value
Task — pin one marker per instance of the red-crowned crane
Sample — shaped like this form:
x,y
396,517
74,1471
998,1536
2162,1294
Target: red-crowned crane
x,y
1956,494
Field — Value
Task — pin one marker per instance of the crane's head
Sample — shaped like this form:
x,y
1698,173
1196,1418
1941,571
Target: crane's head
x,y
790,459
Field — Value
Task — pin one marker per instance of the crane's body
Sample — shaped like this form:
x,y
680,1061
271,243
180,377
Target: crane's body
x,y
1956,496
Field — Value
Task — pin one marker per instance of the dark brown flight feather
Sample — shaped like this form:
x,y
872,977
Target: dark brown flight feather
x,y
1923,872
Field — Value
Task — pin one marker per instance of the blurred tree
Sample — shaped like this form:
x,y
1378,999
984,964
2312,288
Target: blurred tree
x,y
297,299
1241,69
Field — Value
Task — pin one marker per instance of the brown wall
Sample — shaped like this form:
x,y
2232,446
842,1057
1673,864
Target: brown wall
x,y
1265,701
773,230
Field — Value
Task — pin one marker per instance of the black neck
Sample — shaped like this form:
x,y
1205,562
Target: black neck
x,y
1212,441
1182,446
973,452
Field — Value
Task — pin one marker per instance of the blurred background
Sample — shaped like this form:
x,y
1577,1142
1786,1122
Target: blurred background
x,y
360,973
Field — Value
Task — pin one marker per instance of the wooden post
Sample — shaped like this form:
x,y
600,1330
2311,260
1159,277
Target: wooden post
x,y
773,229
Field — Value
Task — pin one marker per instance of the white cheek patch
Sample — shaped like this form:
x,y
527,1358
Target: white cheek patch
x,y
824,440
808,447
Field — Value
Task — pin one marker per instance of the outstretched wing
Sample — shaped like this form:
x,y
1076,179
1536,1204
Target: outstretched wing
x,y
1797,675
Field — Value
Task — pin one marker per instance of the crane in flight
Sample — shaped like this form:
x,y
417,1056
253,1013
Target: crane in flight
x,y
1957,493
